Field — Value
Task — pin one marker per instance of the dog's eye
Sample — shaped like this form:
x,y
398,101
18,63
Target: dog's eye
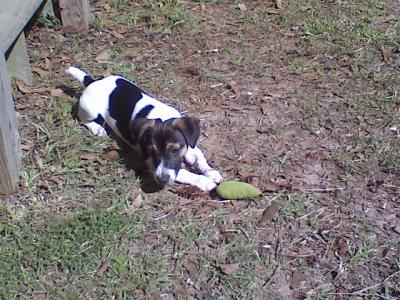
x,y
152,150
175,151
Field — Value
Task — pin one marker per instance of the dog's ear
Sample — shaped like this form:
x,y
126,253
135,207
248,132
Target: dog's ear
x,y
139,129
190,128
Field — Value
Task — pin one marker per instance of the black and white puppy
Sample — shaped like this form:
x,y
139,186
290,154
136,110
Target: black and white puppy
x,y
158,131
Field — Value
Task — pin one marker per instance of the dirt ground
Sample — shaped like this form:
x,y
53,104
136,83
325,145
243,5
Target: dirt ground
x,y
300,98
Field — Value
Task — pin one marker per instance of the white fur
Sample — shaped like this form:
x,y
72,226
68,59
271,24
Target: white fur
x,y
202,182
76,73
94,101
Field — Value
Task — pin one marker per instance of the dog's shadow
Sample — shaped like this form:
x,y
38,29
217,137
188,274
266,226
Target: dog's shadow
x,y
131,159
135,161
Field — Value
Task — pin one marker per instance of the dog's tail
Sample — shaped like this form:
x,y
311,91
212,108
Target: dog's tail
x,y
79,75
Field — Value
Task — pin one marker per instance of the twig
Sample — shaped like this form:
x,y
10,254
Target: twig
x,y
319,211
361,291
325,190
272,275
297,255
161,217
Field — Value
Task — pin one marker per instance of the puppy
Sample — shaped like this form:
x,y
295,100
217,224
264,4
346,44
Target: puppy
x,y
158,131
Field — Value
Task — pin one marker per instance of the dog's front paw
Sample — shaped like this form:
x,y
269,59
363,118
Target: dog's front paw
x,y
204,183
96,129
214,175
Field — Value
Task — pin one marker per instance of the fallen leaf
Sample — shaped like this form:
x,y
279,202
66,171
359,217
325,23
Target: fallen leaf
x,y
246,175
384,19
269,213
88,156
194,98
270,186
190,192
47,63
396,229
229,167
281,233
279,148
103,56
42,73
297,279
386,53
105,265
55,180
39,296
192,71
190,267
233,86
23,88
72,141
229,269
272,11
183,202
279,4
56,92
305,8
112,155
138,201
115,34
26,147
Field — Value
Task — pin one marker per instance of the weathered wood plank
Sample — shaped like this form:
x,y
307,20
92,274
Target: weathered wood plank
x,y
75,14
14,15
18,61
10,148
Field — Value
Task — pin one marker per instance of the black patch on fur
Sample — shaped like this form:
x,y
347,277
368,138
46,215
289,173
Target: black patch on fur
x,y
100,120
122,102
87,80
144,112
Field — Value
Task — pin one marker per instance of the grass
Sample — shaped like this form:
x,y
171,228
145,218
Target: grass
x,y
63,255
75,214
70,245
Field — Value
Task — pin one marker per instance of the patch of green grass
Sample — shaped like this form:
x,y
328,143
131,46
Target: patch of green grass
x,y
302,66
28,248
163,16
64,252
99,23
119,5
212,77
28,176
293,206
363,255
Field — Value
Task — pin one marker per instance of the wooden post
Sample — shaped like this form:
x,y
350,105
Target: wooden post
x,y
75,14
18,61
10,148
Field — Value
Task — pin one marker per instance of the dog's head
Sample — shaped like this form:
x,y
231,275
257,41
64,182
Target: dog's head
x,y
164,144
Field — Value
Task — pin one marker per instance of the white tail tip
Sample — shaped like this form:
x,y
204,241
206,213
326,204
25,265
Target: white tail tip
x,y
76,73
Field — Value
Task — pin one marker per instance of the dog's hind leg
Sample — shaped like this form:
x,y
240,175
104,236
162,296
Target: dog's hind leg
x,y
195,158
96,129
89,115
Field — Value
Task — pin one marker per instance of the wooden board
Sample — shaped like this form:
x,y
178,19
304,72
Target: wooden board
x,y
75,14
18,61
14,15
10,148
